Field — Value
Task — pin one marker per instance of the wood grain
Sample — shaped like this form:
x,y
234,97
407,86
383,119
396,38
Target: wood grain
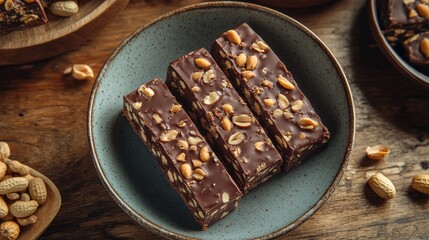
x,y
43,117
59,35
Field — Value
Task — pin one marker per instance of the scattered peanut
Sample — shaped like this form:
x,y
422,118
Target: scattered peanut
x,y
186,170
382,186
202,62
9,230
421,183
377,152
82,72
204,154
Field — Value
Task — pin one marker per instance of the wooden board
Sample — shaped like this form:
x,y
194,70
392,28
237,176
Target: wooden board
x,y
43,116
59,35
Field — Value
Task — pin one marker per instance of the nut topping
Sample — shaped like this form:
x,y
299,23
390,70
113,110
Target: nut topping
x,y
228,108
277,113
423,10
137,105
251,63
196,163
148,92
186,170
202,62
412,14
182,144
169,135
195,89
211,98
197,76
287,136
241,60
377,152
181,124
269,102
157,117
232,36
248,74
243,120
259,146
175,108
297,105
225,197
288,115
307,123
204,154
236,138
226,124
282,101
181,157
424,47
199,174
194,140
208,76
267,83
285,83
260,47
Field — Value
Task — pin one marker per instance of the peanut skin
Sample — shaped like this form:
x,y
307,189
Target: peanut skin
x,y
21,209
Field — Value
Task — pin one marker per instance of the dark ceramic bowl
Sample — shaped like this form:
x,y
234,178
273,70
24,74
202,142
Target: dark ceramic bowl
x,y
394,58
293,3
132,175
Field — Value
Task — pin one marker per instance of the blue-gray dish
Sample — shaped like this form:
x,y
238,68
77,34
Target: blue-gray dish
x,y
131,174
394,58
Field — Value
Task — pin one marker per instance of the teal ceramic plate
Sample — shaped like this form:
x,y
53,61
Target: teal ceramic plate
x,y
131,174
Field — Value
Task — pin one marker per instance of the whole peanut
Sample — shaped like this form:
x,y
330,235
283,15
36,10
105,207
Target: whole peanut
x,y
18,167
21,209
27,221
4,210
14,184
37,190
9,230
4,150
3,169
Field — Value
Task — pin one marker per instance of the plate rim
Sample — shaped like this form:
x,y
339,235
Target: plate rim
x,y
397,61
226,4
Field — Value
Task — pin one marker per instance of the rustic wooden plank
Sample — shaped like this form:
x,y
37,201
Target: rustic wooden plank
x,y
43,117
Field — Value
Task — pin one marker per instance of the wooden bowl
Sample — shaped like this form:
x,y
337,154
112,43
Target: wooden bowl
x,y
394,58
59,35
293,3
45,213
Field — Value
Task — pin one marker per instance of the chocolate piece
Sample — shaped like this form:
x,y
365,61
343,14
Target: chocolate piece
x,y
186,159
17,14
248,151
417,48
272,93
401,19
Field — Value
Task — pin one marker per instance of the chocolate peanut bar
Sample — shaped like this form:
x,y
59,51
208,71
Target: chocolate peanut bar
x,y
401,19
201,85
272,93
186,159
17,14
417,48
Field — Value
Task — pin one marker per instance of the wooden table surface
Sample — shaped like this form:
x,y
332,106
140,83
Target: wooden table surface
x,y
43,118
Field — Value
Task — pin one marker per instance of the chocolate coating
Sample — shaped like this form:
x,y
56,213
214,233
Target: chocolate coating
x,y
413,47
21,15
293,141
249,165
203,197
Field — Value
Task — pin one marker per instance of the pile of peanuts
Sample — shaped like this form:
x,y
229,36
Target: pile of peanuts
x,y
20,195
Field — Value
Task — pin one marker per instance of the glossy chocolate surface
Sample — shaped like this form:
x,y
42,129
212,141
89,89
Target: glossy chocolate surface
x,y
207,192
249,162
413,46
303,141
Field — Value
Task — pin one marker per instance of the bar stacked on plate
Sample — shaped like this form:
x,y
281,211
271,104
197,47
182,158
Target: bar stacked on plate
x,y
17,14
272,93
406,22
232,126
